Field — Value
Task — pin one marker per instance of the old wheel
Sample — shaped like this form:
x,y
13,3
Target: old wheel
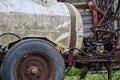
x,y
32,66
32,59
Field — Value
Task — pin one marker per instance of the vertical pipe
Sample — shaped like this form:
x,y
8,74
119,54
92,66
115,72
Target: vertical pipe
x,y
110,71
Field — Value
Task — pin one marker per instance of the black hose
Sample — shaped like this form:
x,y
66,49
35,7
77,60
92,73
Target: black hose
x,y
8,33
108,22
74,48
106,40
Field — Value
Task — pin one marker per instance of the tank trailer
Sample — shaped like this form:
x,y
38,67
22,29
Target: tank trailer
x,y
39,39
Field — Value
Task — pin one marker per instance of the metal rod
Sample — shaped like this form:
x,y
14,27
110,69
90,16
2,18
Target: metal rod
x,y
110,71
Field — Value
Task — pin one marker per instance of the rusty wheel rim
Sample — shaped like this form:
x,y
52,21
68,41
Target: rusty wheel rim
x,y
32,66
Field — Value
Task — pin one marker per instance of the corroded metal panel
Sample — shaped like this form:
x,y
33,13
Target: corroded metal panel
x,y
38,18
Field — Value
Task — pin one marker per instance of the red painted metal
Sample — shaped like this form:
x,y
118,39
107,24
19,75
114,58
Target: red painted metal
x,y
93,9
82,6
99,17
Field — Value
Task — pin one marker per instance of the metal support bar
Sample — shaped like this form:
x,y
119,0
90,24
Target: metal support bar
x,y
85,70
109,70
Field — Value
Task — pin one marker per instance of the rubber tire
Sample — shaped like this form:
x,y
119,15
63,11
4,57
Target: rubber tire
x,y
19,49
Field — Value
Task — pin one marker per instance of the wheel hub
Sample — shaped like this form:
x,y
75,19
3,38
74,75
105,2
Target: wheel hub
x,y
34,70
34,65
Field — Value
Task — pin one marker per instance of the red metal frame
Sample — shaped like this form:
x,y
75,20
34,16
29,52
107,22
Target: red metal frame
x,y
96,11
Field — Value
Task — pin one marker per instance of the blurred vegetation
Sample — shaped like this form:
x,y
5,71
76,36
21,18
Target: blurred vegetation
x,y
74,74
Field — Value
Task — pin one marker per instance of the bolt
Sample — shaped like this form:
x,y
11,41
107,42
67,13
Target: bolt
x,y
34,71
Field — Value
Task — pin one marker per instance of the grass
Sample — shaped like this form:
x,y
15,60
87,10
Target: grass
x,y
74,74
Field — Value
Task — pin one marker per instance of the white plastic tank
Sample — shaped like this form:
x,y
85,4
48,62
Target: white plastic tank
x,y
39,18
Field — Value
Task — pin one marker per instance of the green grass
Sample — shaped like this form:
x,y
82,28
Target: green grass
x,y
74,74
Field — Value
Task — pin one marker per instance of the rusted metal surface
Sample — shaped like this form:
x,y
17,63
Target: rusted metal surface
x,y
82,6
109,62
34,65
71,1
115,57
101,47
100,29
109,69
117,47
95,59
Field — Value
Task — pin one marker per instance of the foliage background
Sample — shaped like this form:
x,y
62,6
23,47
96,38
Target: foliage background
x,y
74,74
